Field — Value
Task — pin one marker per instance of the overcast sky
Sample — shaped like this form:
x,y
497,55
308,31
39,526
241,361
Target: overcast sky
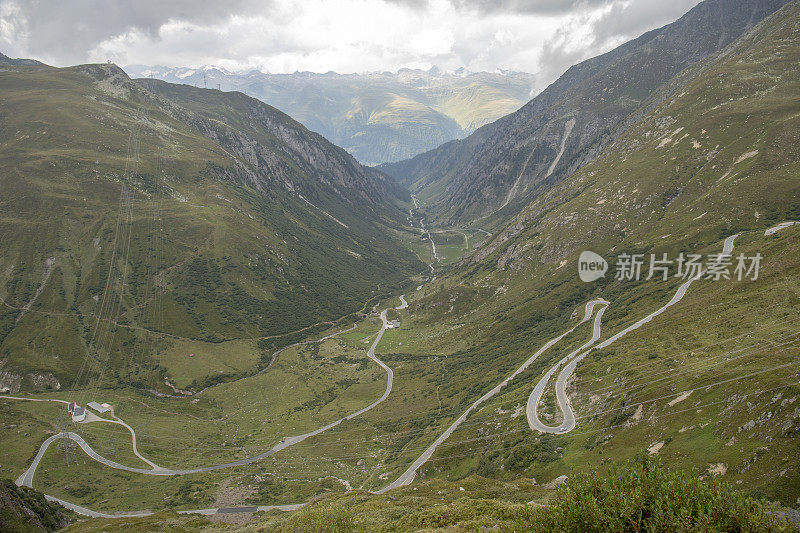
x,y
544,36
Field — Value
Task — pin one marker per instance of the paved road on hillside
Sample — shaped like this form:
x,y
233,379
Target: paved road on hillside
x,y
408,476
532,408
26,479
563,402
782,225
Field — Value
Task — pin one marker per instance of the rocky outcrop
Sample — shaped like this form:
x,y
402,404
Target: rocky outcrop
x,y
522,152
25,509
9,381
12,381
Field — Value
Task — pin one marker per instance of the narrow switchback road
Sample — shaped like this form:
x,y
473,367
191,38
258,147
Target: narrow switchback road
x,y
26,479
532,408
563,402
408,476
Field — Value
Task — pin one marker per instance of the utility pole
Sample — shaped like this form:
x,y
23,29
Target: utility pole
x,y
109,448
68,447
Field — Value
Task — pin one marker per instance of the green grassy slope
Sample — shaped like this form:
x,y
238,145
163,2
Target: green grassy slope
x,y
237,222
717,158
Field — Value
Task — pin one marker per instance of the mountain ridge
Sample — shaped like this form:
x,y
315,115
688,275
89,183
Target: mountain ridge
x,y
517,157
265,224
377,116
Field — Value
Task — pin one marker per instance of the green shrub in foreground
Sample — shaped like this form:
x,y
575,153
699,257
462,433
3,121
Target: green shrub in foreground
x,y
642,497
322,519
648,497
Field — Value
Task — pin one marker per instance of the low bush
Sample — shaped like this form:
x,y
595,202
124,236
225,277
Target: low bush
x,y
648,497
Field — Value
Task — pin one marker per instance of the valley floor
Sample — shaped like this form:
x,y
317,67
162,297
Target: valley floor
x,y
239,417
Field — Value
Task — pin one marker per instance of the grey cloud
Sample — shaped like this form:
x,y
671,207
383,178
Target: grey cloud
x,y
541,7
556,58
67,30
633,19
622,22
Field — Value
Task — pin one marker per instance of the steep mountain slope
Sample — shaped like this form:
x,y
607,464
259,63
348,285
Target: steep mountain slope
x,y
24,510
709,382
171,210
712,381
521,155
379,116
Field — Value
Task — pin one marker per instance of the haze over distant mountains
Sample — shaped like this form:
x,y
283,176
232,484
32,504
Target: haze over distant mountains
x,y
506,164
276,324
378,117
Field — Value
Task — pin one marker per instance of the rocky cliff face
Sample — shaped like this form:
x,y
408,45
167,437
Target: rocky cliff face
x,y
268,145
505,164
377,116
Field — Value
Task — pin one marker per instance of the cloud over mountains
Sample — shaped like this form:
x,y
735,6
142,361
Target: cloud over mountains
x,y
542,37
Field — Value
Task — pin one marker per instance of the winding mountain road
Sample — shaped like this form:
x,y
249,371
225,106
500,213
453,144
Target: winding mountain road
x,y
26,479
783,225
532,408
408,476
561,396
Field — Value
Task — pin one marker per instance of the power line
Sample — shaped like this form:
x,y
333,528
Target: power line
x,y
478,419
452,443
